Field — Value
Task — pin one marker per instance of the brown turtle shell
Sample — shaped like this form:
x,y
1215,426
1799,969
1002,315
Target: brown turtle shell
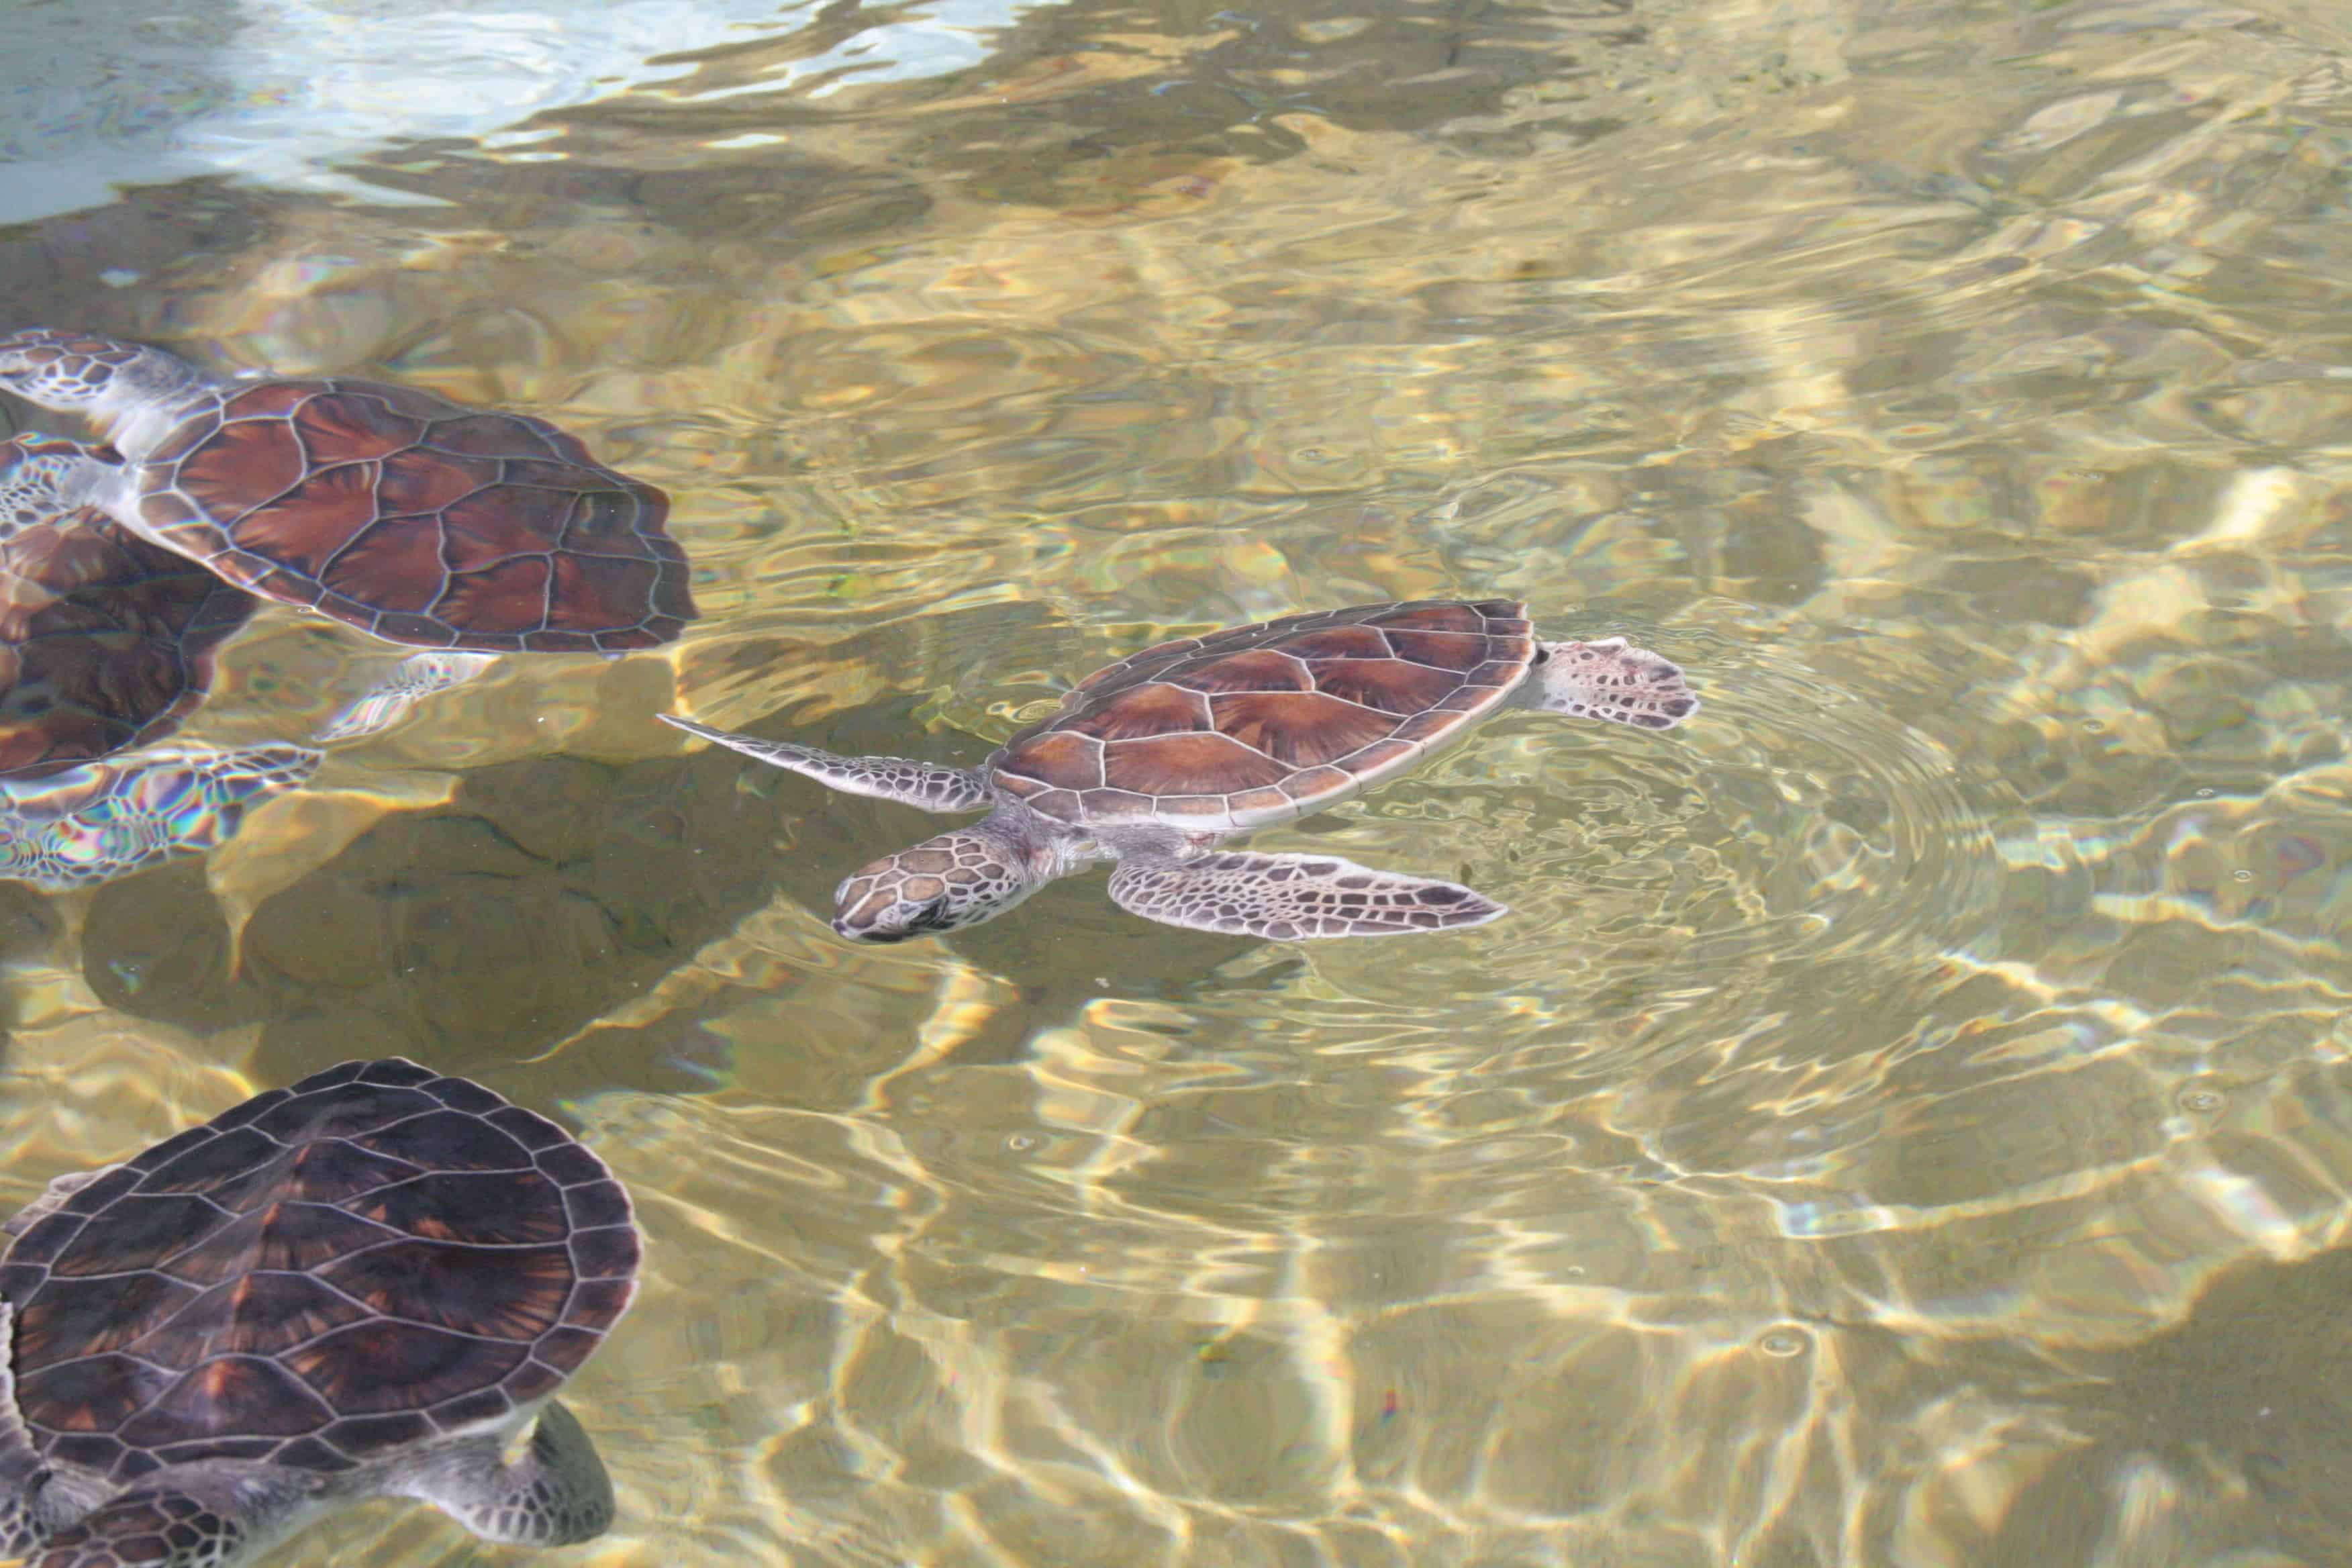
x,y
373,1258
106,641
418,519
1262,724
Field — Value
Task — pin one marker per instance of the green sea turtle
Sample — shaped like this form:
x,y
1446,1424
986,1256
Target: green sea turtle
x,y
106,640
107,643
367,1285
400,512
1153,760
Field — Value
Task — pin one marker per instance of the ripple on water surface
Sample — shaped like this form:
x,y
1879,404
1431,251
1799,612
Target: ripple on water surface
x,y
1904,1119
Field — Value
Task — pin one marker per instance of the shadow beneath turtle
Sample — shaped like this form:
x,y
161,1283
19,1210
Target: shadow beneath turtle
x,y
545,894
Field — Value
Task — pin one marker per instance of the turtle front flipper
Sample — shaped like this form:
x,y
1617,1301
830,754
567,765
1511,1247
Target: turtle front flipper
x,y
413,679
112,382
1291,896
46,478
924,785
1609,679
158,1527
555,1493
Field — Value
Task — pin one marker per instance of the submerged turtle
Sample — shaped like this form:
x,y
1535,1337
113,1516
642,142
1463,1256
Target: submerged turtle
x,y
99,820
106,641
1152,761
102,820
406,515
367,1285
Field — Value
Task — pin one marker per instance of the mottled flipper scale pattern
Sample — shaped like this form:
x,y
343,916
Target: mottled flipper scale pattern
x,y
153,1528
555,1494
1614,680
925,784
415,678
1292,897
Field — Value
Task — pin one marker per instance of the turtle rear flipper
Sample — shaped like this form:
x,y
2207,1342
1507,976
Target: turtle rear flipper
x,y
1292,897
926,785
555,1493
154,1527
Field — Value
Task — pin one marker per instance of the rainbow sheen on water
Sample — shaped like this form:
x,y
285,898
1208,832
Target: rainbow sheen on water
x,y
92,823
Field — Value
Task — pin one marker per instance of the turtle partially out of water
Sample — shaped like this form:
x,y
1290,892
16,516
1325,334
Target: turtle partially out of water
x,y
1153,760
406,515
367,1285
106,641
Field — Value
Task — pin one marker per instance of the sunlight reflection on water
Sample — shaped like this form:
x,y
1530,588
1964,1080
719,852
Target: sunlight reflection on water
x,y
1904,1120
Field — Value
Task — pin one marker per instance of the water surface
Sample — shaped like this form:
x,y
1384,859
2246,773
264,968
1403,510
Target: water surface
x,y
1906,1118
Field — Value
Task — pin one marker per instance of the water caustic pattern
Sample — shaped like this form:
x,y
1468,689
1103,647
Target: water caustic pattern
x,y
1906,1117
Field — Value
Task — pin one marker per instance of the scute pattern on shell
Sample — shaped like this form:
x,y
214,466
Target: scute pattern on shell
x,y
419,520
106,641
376,1255
1262,724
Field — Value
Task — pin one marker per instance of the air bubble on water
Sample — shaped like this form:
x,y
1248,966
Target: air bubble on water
x,y
1782,1343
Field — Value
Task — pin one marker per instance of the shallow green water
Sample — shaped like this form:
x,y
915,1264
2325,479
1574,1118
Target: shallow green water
x,y
1906,1118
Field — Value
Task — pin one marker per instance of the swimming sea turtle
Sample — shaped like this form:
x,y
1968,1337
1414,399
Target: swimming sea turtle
x,y
398,511
106,641
367,1285
1152,761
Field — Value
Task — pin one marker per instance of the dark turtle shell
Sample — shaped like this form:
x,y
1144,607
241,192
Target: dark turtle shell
x,y
106,641
376,1257
1262,724
418,519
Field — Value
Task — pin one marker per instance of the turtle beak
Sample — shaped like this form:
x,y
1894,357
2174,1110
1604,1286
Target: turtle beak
x,y
924,919
871,906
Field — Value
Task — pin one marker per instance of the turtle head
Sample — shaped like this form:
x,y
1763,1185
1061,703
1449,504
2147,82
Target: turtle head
x,y
103,379
42,478
957,878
